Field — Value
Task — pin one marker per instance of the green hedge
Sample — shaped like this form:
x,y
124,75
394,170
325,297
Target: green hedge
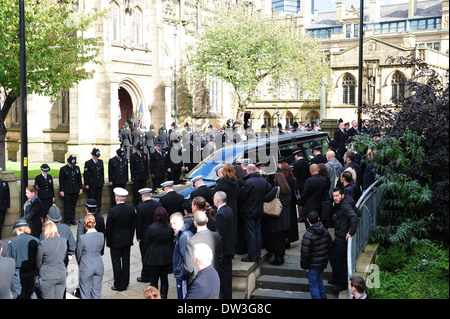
x,y
421,272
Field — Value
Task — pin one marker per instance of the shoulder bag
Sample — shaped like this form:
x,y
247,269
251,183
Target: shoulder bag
x,y
274,207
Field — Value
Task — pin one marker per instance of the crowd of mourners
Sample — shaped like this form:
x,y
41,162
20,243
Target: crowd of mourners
x,y
197,238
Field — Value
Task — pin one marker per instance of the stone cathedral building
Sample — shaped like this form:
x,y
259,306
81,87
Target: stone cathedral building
x,y
140,77
137,80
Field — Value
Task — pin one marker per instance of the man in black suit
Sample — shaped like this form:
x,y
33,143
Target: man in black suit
x,y
318,156
4,201
120,226
224,226
70,188
94,177
301,168
158,166
340,136
354,129
139,172
46,190
117,172
316,189
171,201
203,235
202,190
145,217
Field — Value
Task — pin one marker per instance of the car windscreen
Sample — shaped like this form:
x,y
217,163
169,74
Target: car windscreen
x,y
227,154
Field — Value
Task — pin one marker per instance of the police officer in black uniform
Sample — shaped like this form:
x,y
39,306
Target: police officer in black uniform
x,y
174,161
117,172
70,188
126,139
150,139
46,190
94,177
158,166
139,172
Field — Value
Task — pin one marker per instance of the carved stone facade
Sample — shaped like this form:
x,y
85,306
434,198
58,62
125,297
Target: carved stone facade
x,y
145,48
140,64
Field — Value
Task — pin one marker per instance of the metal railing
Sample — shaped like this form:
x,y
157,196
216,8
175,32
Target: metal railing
x,y
368,205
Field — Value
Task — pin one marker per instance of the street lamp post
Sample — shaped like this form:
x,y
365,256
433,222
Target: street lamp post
x,y
361,61
23,101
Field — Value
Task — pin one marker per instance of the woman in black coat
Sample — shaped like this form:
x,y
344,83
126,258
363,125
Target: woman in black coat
x,y
227,183
159,240
278,227
292,235
32,211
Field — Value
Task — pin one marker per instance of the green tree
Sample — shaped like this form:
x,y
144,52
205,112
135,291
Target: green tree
x,y
419,123
244,47
56,51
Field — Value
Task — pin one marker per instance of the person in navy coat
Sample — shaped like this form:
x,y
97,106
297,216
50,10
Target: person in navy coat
x,y
206,285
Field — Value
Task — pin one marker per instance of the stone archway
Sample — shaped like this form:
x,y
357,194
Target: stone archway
x,y
130,100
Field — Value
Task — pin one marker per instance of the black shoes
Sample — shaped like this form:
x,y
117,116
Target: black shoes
x,y
248,260
140,279
278,260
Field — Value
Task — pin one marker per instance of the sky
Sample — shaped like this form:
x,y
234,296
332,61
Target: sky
x,y
330,5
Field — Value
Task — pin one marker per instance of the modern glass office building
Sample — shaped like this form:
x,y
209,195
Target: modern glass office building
x,y
287,6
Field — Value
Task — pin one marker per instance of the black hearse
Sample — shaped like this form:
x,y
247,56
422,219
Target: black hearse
x,y
266,150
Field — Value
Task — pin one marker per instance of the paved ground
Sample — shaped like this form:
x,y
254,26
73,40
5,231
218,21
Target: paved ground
x,y
136,288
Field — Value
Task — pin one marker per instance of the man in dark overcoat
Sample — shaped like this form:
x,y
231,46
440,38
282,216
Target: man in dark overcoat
x,y
224,224
316,189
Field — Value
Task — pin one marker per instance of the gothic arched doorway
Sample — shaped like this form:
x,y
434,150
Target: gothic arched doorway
x,y
126,107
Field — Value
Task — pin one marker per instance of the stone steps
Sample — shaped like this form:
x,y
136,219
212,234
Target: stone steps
x,y
287,281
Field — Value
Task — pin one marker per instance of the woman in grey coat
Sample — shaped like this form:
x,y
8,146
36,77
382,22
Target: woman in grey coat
x,y
89,258
50,257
